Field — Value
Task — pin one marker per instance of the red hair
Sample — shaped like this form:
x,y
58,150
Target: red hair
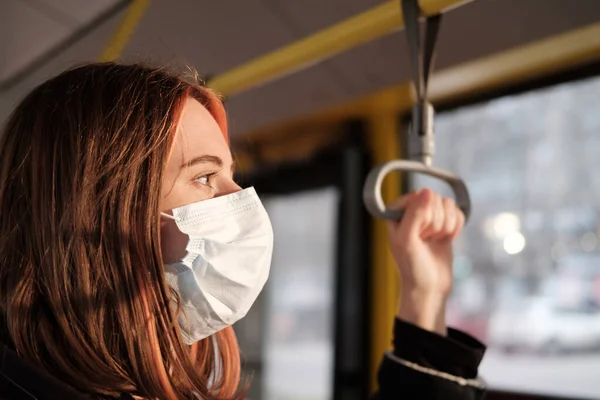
x,y
82,287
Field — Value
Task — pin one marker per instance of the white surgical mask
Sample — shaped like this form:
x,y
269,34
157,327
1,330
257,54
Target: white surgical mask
x,y
227,262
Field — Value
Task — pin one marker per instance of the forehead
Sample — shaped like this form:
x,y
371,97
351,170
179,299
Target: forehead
x,y
198,134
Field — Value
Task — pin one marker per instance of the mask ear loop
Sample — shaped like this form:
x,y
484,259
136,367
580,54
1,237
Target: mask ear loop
x,y
168,216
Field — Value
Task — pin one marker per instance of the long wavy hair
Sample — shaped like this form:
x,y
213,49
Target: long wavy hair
x,y
82,288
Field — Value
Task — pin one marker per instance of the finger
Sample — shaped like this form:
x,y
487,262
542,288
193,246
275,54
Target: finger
x,y
451,213
402,203
437,221
418,215
460,223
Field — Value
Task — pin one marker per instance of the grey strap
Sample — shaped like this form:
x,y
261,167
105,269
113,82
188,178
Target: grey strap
x,y
422,60
422,57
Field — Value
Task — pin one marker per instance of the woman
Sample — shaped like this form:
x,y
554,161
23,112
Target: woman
x,y
127,250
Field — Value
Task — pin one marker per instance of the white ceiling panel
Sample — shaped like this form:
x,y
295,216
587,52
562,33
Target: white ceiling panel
x,y
28,34
308,16
87,49
478,29
211,35
214,36
81,11
31,29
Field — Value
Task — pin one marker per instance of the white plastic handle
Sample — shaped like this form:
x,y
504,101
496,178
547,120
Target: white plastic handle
x,y
372,189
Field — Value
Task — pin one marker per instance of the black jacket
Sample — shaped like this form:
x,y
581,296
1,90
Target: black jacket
x,y
423,366
427,366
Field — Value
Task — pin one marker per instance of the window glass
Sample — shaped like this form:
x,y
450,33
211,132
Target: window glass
x,y
527,267
288,338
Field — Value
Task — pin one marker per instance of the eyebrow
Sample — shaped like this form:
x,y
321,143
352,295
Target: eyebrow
x,y
202,159
206,159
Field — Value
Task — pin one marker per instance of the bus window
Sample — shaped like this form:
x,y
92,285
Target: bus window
x,y
294,358
527,268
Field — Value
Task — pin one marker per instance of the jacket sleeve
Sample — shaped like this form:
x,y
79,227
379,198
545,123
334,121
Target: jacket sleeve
x,y
427,366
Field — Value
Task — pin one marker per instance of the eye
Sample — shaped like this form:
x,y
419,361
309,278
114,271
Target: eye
x,y
206,179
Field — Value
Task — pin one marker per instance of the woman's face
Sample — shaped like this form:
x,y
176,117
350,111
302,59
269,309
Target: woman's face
x,y
200,167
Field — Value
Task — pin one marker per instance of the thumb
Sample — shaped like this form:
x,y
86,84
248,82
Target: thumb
x,y
402,202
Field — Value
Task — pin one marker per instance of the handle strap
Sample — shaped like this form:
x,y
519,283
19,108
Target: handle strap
x,y
422,56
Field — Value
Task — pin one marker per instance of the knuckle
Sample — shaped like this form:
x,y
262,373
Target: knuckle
x,y
422,208
439,224
424,213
